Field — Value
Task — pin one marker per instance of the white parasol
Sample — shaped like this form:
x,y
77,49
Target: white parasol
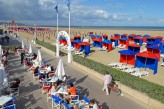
x,y
30,49
60,69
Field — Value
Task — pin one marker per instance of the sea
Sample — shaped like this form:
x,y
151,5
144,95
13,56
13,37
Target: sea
x,y
152,28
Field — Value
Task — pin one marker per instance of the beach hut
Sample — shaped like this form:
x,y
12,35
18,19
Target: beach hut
x,y
76,44
158,39
147,60
145,37
108,44
105,36
77,38
134,47
97,41
124,41
63,40
127,56
161,46
131,37
155,50
124,35
85,46
117,36
138,40
115,40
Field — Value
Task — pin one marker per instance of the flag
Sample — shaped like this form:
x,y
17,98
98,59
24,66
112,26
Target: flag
x,y
56,7
12,22
68,5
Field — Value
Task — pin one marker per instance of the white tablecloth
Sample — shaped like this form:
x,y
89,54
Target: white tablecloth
x,y
4,100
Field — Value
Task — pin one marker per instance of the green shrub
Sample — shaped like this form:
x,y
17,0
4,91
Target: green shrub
x,y
151,89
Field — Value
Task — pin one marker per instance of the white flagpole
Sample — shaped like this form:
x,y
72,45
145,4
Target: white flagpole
x,y
69,22
17,29
57,25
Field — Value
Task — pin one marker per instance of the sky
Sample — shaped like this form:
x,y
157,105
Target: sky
x,y
84,12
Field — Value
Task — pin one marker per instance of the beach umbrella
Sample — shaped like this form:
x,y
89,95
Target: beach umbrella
x,y
30,49
3,76
39,57
60,69
22,44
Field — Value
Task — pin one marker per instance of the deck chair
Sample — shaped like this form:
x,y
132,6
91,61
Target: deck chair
x,y
123,47
140,73
162,64
119,45
131,70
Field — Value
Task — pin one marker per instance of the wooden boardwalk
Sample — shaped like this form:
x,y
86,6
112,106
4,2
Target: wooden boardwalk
x,y
30,91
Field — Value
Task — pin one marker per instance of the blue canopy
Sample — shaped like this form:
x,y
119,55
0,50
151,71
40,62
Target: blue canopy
x,y
127,52
124,38
92,35
153,47
76,41
140,41
107,41
161,46
98,36
146,35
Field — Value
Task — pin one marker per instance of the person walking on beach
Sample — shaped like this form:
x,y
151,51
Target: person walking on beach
x,y
106,80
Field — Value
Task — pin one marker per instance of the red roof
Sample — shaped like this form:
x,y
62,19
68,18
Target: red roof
x,y
147,55
114,38
134,45
97,39
105,35
138,37
84,43
158,37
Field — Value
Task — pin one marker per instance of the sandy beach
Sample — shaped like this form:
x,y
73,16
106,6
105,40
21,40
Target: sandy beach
x,y
112,56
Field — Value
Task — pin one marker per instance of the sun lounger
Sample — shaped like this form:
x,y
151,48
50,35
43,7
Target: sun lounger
x,y
123,47
115,64
120,45
131,70
162,64
140,73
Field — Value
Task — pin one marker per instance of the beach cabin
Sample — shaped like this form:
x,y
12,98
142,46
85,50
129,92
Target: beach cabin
x,y
62,40
145,37
107,44
138,40
147,60
117,36
97,41
127,57
161,46
114,40
124,42
77,38
85,46
105,36
131,37
155,50
124,35
134,47
158,39
76,44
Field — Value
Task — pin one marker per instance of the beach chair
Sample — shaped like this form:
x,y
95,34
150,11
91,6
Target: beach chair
x,y
66,106
123,47
114,64
162,55
140,73
162,64
131,70
120,45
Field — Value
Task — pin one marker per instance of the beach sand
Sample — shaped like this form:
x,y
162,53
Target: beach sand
x,y
112,56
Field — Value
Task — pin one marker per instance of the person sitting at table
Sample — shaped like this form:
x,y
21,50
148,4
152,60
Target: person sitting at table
x,y
15,83
71,89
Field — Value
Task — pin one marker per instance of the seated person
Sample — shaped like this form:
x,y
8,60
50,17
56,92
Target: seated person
x,y
71,89
15,83
93,105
